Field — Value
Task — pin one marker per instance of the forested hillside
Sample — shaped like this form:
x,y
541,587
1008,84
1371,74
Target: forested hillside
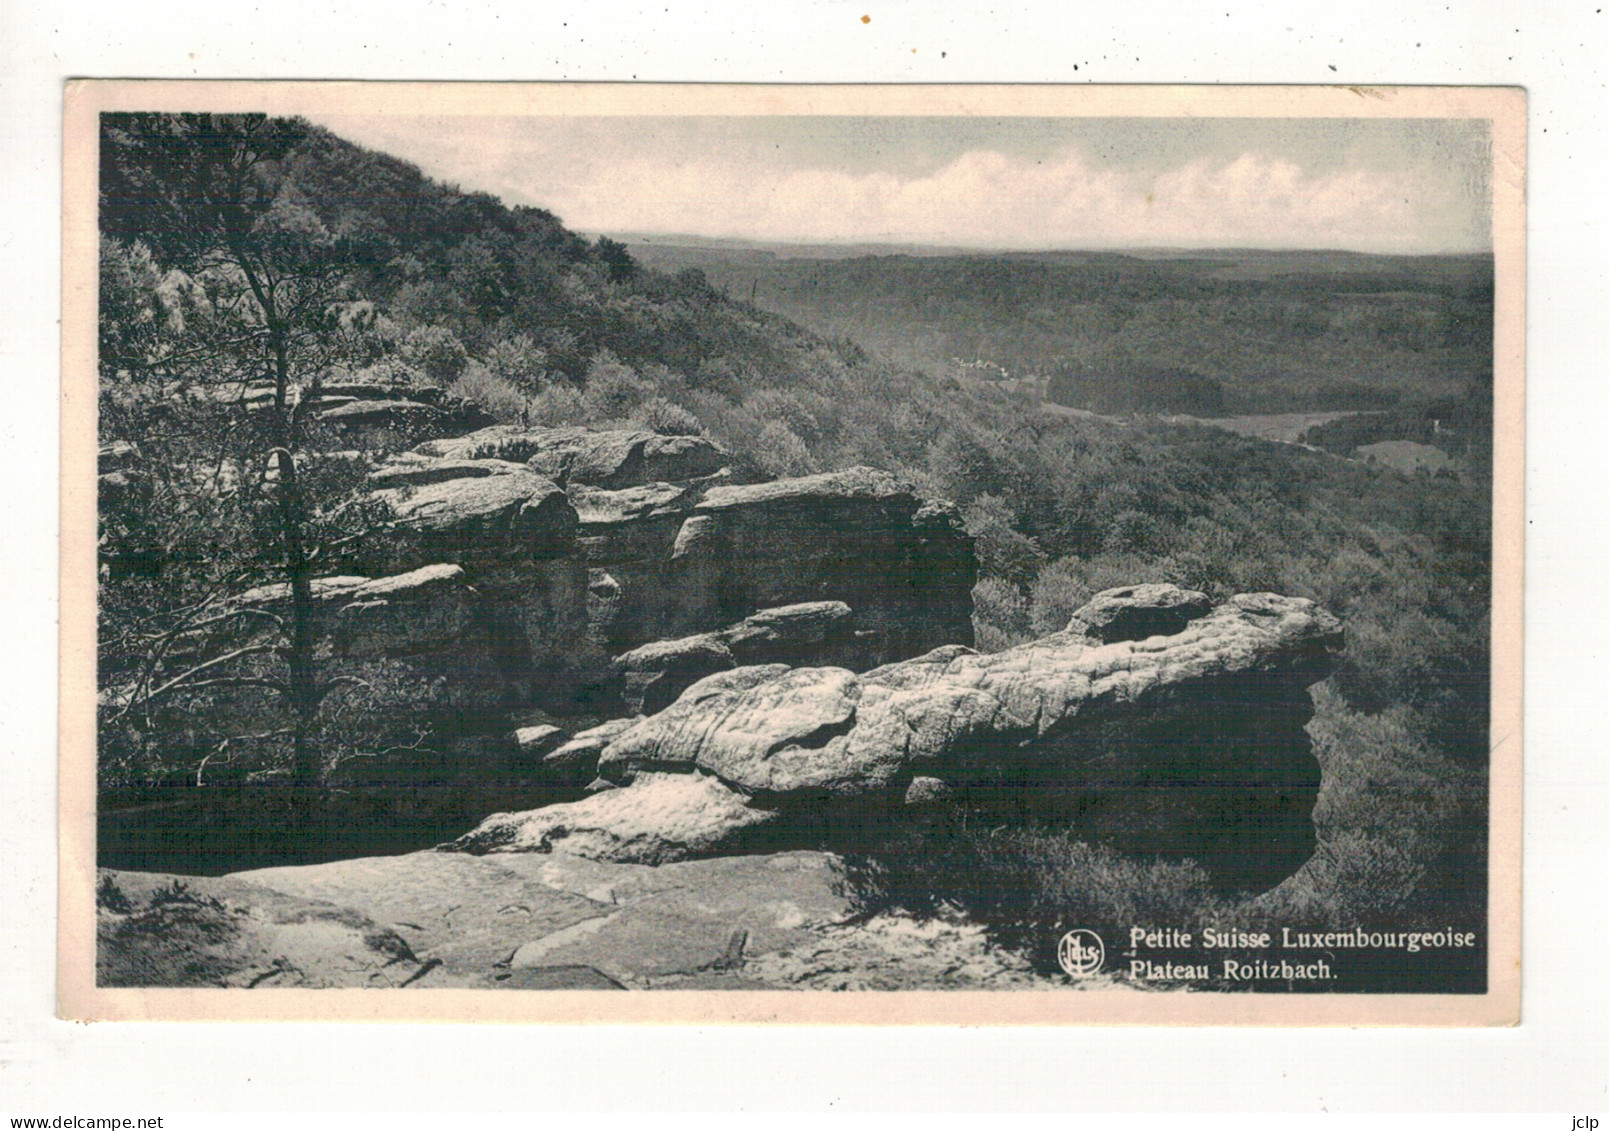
x,y
1207,333
454,276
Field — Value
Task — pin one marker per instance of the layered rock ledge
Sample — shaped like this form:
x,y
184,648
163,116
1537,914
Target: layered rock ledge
x,y
1187,743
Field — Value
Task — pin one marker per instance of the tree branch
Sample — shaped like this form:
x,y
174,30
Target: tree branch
x,y
186,677
339,682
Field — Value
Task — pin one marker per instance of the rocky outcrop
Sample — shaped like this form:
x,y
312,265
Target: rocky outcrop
x,y
645,541
165,931
1189,743
512,532
671,561
1138,611
536,742
628,537
564,574
817,632
867,570
371,423
859,536
369,415
423,610
576,762
428,622
508,515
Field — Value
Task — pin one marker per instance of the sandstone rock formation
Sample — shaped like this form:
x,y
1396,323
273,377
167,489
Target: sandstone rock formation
x,y
676,560
167,931
576,761
428,621
1189,743
513,534
860,536
853,567
573,455
369,415
642,543
1138,611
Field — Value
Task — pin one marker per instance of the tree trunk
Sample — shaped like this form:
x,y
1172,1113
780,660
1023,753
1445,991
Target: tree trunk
x,y
306,763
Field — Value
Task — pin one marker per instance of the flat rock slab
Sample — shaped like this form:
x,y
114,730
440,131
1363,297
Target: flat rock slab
x,y
693,918
471,914
155,929
528,921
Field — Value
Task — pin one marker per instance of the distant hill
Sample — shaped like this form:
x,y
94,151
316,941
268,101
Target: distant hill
x,y
1219,331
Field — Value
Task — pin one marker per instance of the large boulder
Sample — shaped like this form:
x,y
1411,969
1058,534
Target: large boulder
x,y
669,560
576,761
1187,744
1137,611
817,632
429,621
513,533
474,519
859,536
653,676
662,817
609,459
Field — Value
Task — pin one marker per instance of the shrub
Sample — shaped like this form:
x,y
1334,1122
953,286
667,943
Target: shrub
x,y
999,615
437,352
391,370
557,402
666,418
1030,884
1002,552
781,453
109,896
497,395
790,407
613,390
518,360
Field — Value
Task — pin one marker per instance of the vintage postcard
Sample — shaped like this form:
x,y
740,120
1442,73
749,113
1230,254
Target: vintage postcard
x,y
902,554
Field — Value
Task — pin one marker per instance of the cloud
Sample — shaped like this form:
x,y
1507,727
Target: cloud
x,y
612,180
987,199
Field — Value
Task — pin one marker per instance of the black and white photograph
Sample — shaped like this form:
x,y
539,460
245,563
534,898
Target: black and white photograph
x,y
795,552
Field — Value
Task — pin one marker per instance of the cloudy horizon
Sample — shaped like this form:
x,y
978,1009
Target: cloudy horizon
x,y
1389,186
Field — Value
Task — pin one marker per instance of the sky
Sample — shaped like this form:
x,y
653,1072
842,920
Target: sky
x,y
1409,186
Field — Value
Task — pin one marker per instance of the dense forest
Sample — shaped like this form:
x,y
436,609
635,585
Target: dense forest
x,y
388,276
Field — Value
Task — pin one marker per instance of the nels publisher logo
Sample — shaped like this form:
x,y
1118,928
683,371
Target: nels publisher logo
x,y
1081,953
